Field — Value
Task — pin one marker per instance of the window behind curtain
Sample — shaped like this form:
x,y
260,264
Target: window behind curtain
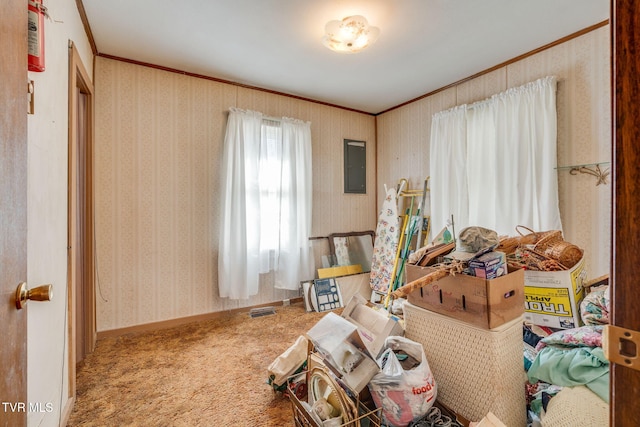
x,y
266,204
270,185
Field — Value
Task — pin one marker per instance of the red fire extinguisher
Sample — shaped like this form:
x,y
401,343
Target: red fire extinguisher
x,y
37,12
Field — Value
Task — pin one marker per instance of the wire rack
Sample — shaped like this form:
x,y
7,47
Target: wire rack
x,y
367,417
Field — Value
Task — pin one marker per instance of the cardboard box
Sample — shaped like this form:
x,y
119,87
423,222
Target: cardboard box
x,y
335,338
552,298
354,284
374,326
445,410
486,303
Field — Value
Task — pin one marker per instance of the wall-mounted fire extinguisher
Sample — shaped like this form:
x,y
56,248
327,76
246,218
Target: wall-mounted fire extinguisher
x,y
37,12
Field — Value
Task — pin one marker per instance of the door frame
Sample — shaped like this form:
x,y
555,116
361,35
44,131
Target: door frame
x,y
625,205
625,230
79,79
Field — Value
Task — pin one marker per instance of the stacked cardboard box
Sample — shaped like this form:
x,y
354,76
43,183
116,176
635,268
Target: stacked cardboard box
x,y
487,303
552,298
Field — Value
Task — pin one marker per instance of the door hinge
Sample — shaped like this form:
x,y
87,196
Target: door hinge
x,y
621,345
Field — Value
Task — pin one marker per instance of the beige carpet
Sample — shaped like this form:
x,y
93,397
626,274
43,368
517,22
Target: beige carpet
x,y
210,373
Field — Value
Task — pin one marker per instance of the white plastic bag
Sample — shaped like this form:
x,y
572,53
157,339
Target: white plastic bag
x,y
287,364
403,395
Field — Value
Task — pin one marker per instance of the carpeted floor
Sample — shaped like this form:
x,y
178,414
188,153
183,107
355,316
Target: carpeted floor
x,y
210,373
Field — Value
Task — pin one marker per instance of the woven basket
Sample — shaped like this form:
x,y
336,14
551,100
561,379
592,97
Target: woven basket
x,y
565,253
509,245
531,237
548,239
551,265
553,246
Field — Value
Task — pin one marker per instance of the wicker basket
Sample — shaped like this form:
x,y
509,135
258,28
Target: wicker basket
x,y
531,237
526,237
356,413
548,239
553,246
509,245
565,253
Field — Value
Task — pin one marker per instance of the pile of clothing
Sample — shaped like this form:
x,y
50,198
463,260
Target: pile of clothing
x,y
568,374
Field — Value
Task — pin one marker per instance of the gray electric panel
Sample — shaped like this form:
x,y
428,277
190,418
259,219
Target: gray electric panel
x,y
355,166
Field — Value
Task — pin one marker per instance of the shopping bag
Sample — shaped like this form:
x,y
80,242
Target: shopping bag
x,y
287,364
404,388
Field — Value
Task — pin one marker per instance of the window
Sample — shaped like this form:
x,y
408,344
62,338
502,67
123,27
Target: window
x,y
273,191
266,204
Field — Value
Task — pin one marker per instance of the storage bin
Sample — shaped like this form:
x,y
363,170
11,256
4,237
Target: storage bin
x,y
477,370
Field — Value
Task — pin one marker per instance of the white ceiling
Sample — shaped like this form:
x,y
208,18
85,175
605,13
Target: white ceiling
x,y
424,45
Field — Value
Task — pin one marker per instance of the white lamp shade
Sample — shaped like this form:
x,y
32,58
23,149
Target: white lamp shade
x,y
350,35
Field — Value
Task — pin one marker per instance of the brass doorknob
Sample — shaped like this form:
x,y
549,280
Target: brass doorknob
x,y
41,293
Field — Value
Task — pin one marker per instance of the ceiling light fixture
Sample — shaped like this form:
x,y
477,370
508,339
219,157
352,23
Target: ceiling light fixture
x,y
350,35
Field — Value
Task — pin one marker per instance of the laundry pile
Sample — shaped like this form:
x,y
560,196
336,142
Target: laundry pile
x,y
567,371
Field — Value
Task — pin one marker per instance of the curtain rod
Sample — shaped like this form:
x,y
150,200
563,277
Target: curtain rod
x,y
509,90
269,118
264,117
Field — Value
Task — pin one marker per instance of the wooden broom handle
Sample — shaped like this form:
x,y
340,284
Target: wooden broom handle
x,y
442,271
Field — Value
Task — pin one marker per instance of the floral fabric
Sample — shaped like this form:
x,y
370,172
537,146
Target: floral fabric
x,y
564,358
385,244
594,308
572,357
584,336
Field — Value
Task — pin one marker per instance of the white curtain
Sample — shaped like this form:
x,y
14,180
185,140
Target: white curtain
x,y
448,169
266,204
294,255
511,151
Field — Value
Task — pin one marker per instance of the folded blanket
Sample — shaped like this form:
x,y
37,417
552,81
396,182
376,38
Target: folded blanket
x,y
584,336
573,357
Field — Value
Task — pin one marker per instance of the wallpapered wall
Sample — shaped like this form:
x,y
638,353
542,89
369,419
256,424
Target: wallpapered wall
x,y
158,143
159,139
582,66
